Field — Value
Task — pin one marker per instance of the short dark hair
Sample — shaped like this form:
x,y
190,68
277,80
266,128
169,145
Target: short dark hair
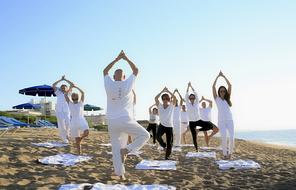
x,y
192,95
163,96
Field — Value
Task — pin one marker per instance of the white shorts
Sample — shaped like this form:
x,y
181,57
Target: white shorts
x,y
77,127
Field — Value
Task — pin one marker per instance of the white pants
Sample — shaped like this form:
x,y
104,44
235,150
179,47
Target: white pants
x,y
63,125
184,127
227,141
177,133
118,130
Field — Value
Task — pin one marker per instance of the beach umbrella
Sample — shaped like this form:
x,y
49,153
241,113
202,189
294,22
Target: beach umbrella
x,y
27,106
41,90
88,107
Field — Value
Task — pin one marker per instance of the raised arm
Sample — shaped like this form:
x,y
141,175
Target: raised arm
x,y
135,97
54,85
181,98
188,86
66,94
157,97
69,82
107,69
150,108
228,83
215,95
208,100
131,64
81,92
173,97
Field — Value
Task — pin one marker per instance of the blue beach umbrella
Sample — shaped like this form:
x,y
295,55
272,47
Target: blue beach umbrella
x,y
27,106
42,90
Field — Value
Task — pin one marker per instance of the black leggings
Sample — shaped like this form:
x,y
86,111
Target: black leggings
x,y
168,131
152,126
205,126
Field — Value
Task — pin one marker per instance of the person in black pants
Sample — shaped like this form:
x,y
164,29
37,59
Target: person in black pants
x,y
195,123
166,110
153,121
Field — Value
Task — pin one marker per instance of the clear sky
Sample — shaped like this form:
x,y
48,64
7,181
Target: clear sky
x,y
172,42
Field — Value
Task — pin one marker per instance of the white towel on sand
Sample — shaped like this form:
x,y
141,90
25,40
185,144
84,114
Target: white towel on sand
x,y
136,153
64,159
174,149
237,164
184,145
100,186
156,165
50,144
106,144
210,148
201,155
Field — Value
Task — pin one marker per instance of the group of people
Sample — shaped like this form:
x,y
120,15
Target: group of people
x,y
174,119
170,116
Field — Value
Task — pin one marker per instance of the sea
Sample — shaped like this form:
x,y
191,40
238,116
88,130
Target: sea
x,y
277,137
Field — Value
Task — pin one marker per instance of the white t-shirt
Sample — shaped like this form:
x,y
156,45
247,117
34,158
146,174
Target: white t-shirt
x,y
184,117
205,114
62,105
153,118
76,110
166,115
193,110
224,112
177,114
119,97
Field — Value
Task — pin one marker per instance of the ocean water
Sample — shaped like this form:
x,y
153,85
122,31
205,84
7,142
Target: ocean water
x,y
279,137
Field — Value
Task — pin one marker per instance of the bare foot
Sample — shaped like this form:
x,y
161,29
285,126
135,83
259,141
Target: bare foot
x,y
122,177
123,153
197,150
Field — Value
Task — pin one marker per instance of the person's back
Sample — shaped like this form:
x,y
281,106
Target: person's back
x,y
119,97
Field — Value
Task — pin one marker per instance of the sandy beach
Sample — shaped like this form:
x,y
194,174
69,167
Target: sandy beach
x,y
19,169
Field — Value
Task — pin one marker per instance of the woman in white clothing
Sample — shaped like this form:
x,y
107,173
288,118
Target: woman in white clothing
x,y
78,125
184,123
205,115
177,119
225,121
153,121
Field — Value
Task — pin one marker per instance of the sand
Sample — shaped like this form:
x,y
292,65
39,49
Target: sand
x,y
19,169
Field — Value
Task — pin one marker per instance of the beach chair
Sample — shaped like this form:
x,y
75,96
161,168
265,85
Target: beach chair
x,y
3,130
10,124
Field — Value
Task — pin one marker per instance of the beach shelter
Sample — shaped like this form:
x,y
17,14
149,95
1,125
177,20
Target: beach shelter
x,y
42,91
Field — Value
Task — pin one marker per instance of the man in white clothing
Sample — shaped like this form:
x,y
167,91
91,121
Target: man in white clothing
x,y
62,109
120,114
